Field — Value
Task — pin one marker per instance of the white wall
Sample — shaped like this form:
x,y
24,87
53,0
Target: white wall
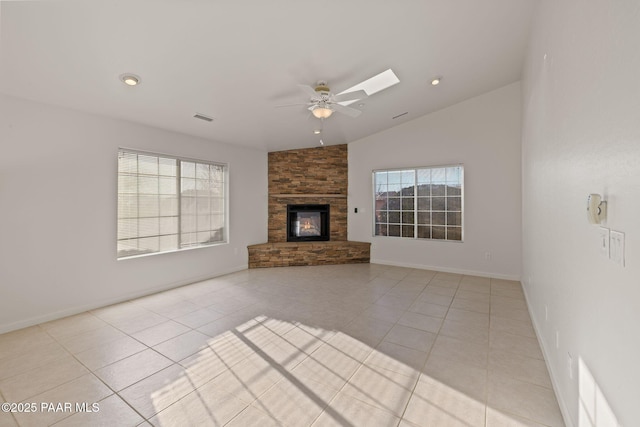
x,y
483,134
58,212
581,135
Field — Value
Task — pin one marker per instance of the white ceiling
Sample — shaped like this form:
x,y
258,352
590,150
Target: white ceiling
x,y
236,60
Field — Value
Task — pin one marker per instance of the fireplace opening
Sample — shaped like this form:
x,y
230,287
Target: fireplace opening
x,y
307,223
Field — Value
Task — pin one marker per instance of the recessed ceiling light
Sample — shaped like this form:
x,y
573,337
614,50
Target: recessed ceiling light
x,y
130,79
436,81
317,132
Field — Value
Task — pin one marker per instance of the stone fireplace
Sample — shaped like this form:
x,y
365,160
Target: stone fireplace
x,y
308,210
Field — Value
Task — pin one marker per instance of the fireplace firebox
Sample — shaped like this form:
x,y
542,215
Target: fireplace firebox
x,y
307,223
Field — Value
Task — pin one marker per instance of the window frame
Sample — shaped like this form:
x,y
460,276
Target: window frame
x,y
179,215
415,209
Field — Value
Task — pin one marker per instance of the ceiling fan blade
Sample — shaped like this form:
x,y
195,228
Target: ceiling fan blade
x,y
350,96
311,92
291,105
374,84
351,112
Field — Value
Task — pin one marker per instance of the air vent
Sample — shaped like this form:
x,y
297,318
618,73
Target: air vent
x,y
203,117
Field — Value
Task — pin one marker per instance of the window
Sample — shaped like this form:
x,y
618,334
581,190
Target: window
x,y
421,203
167,203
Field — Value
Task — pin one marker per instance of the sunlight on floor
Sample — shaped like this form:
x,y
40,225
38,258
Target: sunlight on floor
x,y
290,372
351,345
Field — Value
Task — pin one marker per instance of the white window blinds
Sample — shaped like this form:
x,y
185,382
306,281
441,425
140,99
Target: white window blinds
x,y
167,203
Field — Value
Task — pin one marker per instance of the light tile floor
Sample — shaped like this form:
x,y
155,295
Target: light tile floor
x,y
350,345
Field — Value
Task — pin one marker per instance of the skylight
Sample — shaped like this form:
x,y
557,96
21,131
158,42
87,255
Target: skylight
x,y
373,85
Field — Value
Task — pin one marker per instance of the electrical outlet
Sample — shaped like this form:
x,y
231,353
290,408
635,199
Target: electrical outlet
x,y
487,256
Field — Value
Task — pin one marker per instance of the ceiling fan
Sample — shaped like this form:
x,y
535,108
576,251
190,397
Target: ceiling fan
x,y
323,103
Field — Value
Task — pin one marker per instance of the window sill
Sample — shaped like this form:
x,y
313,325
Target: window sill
x,y
124,258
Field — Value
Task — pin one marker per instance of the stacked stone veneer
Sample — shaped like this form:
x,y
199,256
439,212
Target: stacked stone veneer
x,y
308,176
318,171
308,253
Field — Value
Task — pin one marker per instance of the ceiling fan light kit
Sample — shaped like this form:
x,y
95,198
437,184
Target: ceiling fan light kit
x,y
321,111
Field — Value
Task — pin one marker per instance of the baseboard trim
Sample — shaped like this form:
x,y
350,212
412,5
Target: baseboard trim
x,y
8,327
447,269
564,409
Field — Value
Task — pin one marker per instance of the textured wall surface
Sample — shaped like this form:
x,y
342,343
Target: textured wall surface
x,y
58,230
581,135
483,134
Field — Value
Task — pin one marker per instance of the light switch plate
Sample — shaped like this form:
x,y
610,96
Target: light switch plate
x,y
616,247
603,241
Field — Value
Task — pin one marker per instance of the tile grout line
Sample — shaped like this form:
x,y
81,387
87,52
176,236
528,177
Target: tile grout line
x,y
360,363
13,417
486,397
424,364
92,372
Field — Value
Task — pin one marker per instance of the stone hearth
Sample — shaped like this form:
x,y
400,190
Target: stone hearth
x,y
308,253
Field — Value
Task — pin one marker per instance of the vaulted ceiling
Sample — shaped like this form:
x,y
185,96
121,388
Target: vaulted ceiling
x,y
237,60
